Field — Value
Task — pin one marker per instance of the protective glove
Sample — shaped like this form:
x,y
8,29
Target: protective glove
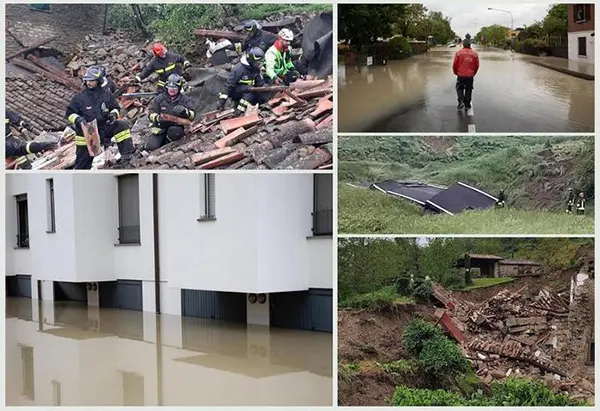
x,y
181,111
48,146
112,117
221,104
238,48
79,122
186,65
25,125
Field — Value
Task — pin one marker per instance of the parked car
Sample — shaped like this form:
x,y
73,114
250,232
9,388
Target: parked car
x,y
451,45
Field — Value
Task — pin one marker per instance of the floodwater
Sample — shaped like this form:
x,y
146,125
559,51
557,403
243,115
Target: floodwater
x,y
418,95
69,354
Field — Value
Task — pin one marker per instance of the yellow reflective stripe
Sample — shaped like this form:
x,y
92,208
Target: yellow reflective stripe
x,y
80,141
192,115
116,111
122,136
223,96
22,160
153,116
73,117
245,102
156,130
7,120
161,83
241,108
171,67
27,148
249,82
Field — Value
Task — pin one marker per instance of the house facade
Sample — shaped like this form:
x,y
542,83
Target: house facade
x,y
254,249
581,32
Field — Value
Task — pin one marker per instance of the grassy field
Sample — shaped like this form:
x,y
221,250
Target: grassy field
x,y
362,211
488,282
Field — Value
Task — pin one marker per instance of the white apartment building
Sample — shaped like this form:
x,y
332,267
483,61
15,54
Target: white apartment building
x,y
253,248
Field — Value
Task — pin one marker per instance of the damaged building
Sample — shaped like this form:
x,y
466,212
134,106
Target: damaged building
x,y
534,332
293,130
493,266
251,249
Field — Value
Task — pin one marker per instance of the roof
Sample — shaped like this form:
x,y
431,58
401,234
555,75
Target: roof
x,y
413,191
519,262
39,100
460,197
484,257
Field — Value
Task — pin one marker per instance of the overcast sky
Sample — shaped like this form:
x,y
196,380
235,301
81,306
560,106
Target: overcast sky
x,y
469,17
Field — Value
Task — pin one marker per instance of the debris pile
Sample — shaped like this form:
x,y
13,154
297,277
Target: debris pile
x,y
522,333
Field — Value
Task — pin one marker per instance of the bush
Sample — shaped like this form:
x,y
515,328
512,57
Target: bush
x,y
397,367
403,284
440,357
416,333
404,396
400,48
422,290
377,300
348,372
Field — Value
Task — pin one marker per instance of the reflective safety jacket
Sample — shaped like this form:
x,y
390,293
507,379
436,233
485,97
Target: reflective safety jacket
x,y
278,61
92,104
163,104
164,67
581,203
241,77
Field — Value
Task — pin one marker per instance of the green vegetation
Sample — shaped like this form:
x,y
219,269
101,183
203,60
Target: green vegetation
x,y
175,23
488,282
362,24
348,372
363,211
512,392
416,333
534,172
398,367
379,272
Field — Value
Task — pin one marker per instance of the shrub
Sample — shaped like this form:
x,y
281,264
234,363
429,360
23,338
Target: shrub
x,y
399,48
422,290
404,396
377,300
440,356
403,284
524,392
416,333
348,372
397,367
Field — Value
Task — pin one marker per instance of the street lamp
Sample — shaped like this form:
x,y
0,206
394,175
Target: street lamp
x,y
512,28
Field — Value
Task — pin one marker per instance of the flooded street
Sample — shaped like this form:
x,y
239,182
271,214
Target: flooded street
x,y
71,355
418,95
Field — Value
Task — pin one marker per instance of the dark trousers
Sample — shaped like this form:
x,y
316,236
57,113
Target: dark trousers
x,y
243,99
464,90
163,135
122,133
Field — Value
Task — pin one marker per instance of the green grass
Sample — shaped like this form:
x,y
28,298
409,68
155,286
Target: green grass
x,y
363,211
487,282
375,300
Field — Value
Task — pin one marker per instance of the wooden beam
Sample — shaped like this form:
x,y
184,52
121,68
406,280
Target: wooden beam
x,y
30,48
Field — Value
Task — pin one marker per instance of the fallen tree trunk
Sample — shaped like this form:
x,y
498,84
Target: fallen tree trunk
x,y
174,119
219,34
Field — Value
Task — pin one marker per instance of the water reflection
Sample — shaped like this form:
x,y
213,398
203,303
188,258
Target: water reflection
x,y
418,94
69,354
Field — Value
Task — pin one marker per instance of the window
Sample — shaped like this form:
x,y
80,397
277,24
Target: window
x,y
56,394
22,222
28,375
208,199
51,216
323,205
581,49
129,209
590,354
582,13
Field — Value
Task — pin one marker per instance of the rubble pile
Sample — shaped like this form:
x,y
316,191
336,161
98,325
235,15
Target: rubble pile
x,y
521,333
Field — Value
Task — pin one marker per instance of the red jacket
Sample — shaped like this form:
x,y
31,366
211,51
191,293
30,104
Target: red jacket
x,y
466,62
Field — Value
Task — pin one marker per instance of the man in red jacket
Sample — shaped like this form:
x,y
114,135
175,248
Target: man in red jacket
x,y
465,66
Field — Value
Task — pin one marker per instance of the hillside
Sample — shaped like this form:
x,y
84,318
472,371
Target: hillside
x,y
362,211
535,172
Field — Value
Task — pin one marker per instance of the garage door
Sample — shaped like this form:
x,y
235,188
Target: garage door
x,y
18,286
302,310
214,304
122,294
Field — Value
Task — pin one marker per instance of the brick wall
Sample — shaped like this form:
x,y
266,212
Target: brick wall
x,y
71,22
585,26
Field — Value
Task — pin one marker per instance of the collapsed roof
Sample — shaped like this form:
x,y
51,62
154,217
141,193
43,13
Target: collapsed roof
x,y
437,199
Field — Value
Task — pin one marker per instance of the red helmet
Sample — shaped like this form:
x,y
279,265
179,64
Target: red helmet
x,y
159,49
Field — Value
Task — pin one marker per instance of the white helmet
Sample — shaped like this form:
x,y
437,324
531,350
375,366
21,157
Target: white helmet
x,y
286,34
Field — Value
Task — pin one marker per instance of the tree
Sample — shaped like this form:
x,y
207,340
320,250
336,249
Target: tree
x,y
416,14
556,21
362,24
438,261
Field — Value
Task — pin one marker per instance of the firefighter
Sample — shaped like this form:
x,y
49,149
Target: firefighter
x,y
570,201
255,37
245,74
97,102
501,199
16,149
170,102
278,60
164,64
107,82
581,204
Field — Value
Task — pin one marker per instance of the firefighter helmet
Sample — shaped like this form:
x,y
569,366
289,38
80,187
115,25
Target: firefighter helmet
x,y
159,49
255,56
286,34
93,73
252,27
174,84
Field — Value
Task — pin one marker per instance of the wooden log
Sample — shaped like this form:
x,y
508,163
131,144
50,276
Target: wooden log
x,y
202,158
30,48
224,160
303,85
317,137
321,92
291,130
219,34
178,120
314,160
